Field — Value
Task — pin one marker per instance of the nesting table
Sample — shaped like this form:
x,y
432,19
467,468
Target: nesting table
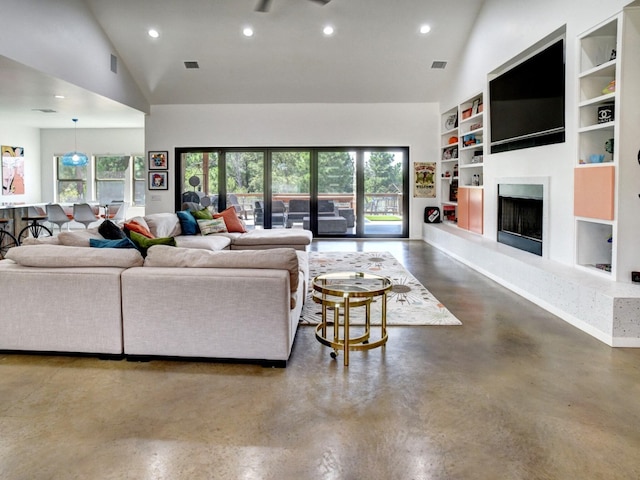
x,y
343,291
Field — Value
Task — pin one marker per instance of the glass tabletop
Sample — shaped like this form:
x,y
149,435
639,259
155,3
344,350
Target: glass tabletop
x,y
352,284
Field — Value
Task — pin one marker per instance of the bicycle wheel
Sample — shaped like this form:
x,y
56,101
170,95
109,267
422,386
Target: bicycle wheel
x,y
7,241
34,230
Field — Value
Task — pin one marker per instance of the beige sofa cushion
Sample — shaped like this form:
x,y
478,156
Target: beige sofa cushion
x,y
164,225
78,239
267,238
208,242
54,256
277,258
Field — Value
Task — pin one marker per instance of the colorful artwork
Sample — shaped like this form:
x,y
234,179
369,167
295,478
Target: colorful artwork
x,y
424,180
12,170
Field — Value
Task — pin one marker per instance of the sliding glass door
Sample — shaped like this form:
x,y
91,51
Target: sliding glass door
x,y
339,192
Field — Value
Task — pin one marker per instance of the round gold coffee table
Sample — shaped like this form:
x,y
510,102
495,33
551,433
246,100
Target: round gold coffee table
x,y
346,290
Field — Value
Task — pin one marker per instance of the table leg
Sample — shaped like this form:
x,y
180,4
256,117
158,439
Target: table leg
x,y
384,316
346,331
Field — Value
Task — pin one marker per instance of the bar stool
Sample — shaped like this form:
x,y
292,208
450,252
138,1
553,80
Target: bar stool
x,y
34,228
7,240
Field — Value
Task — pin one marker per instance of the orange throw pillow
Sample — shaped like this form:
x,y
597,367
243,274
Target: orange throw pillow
x,y
231,220
136,227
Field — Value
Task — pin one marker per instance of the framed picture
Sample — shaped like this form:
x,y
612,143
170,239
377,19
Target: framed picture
x,y
474,107
158,160
158,181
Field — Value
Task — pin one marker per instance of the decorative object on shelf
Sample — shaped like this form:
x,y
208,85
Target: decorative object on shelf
x,y
453,191
450,153
477,157
476,180
453,140
608,147
474,107
606,113
75,158
475,126
613,55
466,113
455,170
596,158
469,140
451,122
432,215
159,160
158,181
449,213
609,88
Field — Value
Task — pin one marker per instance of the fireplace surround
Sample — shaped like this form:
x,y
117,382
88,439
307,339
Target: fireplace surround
x,y
521,216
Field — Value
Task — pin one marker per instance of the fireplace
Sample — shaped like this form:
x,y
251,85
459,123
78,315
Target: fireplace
x,y
520,216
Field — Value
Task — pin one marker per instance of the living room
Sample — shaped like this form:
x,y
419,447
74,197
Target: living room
x,y
501,31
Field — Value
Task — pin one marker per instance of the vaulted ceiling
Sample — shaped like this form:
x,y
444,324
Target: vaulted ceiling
x,y
376,54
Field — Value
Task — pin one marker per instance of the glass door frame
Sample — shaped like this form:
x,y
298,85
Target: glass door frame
x,y
313,187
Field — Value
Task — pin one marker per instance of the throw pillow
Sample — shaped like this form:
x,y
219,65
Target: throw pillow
x,y
144,243
231,220
203,214
215,225
121,243
187,223
141,229
110,230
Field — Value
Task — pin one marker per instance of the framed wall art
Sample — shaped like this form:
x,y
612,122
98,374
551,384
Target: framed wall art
x,y
158,160
158,181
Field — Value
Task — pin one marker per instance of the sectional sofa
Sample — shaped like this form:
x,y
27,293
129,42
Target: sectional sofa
x,y
222,296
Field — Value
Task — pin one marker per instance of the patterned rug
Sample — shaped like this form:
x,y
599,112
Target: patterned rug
x,y
408,302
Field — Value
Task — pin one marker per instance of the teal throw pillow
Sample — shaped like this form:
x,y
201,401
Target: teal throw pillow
x,y
144,243
106,243
188,223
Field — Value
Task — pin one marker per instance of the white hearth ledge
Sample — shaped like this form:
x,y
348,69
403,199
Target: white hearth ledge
x,y
606,310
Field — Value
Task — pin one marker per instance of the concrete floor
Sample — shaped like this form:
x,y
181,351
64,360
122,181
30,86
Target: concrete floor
x,y
514,393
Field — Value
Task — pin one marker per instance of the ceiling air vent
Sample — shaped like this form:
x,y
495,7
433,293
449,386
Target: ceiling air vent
x,y
44,110
439,64
191,65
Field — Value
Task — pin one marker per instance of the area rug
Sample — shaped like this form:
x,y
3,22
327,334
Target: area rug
x,y
408,302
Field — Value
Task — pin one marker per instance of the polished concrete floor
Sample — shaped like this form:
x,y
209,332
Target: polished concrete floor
x,y
513,393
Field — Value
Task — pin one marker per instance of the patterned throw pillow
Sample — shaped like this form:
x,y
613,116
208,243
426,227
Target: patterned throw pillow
x,y
207,227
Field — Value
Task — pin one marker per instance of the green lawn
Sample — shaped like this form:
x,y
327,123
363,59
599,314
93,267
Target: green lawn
x,y
383,218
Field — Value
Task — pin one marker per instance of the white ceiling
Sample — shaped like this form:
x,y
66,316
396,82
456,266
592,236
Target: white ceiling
x,y
376,55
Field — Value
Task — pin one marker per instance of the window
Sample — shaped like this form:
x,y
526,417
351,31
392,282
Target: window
x,y
111,178
71,182
111,173
139,180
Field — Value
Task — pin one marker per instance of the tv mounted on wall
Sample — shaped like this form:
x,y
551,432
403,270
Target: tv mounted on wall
x,y
527,102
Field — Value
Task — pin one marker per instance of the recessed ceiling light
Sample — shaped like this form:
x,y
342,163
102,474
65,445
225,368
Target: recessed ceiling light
x,y
247,32
154,33
328,30
425,29
59,96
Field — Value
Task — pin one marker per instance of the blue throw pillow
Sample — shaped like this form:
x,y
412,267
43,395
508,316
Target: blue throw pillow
x,y
188,223
105,243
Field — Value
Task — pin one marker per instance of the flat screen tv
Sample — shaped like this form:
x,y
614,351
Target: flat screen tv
x,y
527,102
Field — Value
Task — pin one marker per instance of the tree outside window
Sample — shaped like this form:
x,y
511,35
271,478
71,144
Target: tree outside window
x,y
111,174
71,182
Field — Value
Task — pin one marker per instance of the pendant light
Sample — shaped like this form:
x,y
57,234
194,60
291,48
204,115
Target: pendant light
x,y
75,158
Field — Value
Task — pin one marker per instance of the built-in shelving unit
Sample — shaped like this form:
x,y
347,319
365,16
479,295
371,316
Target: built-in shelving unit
x,y
607,173
461,162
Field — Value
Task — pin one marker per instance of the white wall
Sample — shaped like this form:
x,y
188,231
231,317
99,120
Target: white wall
x,y
503,30
29,139
63,38
294,125
92,141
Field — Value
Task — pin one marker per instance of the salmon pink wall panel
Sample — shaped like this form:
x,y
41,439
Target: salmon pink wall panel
x,y
476,210
593,195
